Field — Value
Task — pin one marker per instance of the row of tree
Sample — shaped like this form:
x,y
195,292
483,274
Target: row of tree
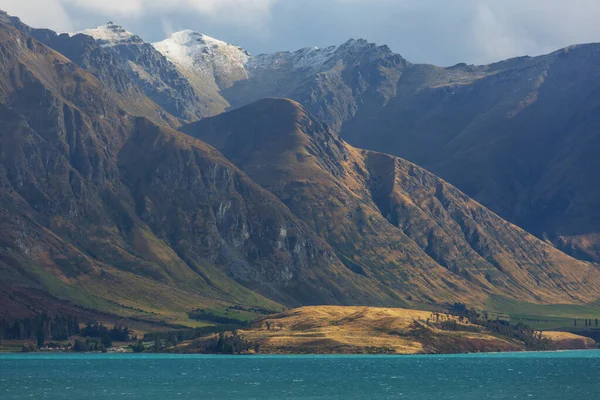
x,y
118,333
229,344
40,328
43,328
587,323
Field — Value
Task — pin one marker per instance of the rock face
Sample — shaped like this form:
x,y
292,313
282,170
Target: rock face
x,y
390,220
201,56
332,83
518,136
210,64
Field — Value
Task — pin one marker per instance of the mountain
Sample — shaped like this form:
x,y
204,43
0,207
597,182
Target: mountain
x,y
390,220
154,74
104,65
210,64
109,212
332,83
105,208
520,136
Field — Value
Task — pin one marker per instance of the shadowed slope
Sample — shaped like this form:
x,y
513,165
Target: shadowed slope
x,y
390,220
520,136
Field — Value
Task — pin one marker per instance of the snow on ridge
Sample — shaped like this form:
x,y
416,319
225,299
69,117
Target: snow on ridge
x,y
306,58
110,35
309,57
203,54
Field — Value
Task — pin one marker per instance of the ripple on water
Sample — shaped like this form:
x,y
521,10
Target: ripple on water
x,y
554,376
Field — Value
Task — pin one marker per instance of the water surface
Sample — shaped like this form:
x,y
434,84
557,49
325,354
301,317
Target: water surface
x,y
548,376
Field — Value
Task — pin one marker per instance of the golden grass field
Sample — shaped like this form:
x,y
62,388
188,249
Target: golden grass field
x,y
334,329
567,340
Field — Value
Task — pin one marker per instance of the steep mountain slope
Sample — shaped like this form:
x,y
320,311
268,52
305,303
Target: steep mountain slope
x,y
104,210
110,212
333,83
390,220
520,136
104,65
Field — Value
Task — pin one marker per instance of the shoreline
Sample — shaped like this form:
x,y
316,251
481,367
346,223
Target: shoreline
x,y
257,355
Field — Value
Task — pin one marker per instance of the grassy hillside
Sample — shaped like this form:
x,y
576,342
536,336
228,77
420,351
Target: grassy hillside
x,y
331,329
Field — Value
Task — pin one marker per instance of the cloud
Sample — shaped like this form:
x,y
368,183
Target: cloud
x,y
228,9
515,27
433,31
52,16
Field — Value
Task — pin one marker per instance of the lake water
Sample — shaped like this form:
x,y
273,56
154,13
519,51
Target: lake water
x,y
561,375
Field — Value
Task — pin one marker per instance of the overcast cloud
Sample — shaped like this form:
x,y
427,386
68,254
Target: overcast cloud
x,y
442,32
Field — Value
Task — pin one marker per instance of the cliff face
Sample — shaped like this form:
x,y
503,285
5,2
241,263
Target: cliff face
x,y
334,83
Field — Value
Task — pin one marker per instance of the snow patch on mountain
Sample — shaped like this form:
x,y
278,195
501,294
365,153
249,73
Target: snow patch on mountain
x,y
205,57
111,35
309,58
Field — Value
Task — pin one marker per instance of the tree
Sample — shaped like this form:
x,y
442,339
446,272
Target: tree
x,y
106,342
80,346
138,348
41,337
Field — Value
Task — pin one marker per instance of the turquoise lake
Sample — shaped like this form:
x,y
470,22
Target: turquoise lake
x,y
559,375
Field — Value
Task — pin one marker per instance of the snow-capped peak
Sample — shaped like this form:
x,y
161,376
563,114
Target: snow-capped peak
x,y
196,53
111,35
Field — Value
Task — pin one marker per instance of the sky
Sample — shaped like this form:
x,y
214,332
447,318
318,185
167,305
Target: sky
x,y
441,32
